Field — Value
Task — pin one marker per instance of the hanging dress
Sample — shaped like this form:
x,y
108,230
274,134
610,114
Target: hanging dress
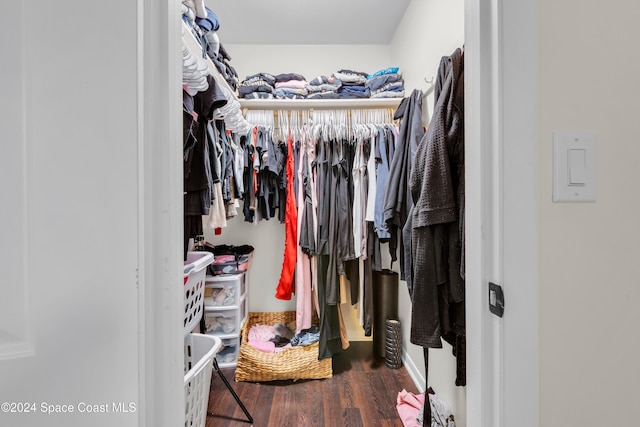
x,y
286,283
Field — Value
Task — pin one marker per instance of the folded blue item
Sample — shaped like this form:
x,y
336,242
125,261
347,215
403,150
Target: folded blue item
x,y
348,89
377,82
210,23
324,95
390,70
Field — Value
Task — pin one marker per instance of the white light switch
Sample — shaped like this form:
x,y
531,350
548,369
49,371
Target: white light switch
x,y
577,166
574,171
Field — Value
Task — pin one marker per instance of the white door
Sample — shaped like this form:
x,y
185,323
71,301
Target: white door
x,y
71,219
501,152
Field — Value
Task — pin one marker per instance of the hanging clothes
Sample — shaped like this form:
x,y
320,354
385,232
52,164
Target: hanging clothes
x,y
336,174
305,239
398,204
436,179
199,178
286,284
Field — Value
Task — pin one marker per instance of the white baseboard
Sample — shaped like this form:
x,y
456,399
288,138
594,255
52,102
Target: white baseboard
x,y
414,372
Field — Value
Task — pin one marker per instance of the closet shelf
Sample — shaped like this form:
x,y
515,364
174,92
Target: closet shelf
x,y
320,104
196,49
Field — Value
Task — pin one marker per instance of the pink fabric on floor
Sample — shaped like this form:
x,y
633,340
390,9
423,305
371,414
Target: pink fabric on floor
x,y
261,333
408,406
266,346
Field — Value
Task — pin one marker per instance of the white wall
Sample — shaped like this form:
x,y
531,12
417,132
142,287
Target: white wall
x,y
267,237
74,166
589,271
429,31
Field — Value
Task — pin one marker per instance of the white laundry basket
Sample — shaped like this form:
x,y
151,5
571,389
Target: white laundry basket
x,y
199,351
195,271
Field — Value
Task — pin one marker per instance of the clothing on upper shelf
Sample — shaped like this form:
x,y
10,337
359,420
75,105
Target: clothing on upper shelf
x,y
376,83
259,95
385,71
324,84
387,84
290,86
256,84
290,93
323,95
284,77
347,92
388,94
344,83
350,77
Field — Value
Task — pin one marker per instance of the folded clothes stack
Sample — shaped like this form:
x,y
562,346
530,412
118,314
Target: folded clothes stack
x,y
342,84
387,83
350,77
353,84
323,87
290,86
257,86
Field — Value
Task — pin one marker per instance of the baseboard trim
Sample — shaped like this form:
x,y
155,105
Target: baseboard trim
x,y
414,372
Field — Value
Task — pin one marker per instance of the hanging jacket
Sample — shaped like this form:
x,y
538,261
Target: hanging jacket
x,y
436,185
398,204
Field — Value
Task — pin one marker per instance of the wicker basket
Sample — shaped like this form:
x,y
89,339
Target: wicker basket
x,y
295,363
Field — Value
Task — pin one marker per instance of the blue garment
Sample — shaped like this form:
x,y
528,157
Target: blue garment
x,y
210,23
390,70
354,92
377,82
382,175
324,95
306,336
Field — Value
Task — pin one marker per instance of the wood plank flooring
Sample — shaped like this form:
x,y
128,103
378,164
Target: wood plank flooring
x,y
362,392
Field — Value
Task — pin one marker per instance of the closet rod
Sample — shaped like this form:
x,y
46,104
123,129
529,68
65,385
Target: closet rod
x,y
319,104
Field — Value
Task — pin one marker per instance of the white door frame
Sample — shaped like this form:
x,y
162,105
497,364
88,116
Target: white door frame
x,y
501,243
161,311
501,216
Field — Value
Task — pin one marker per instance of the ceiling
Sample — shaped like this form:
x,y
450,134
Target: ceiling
x,y
308,21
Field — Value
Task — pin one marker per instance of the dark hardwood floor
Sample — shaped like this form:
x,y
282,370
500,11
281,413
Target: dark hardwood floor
x,y
362,392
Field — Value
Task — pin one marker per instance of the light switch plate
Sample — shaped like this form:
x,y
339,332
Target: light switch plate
x,y
569,164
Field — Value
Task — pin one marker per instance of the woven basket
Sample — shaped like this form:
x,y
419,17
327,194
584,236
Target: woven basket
x,y
295,363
